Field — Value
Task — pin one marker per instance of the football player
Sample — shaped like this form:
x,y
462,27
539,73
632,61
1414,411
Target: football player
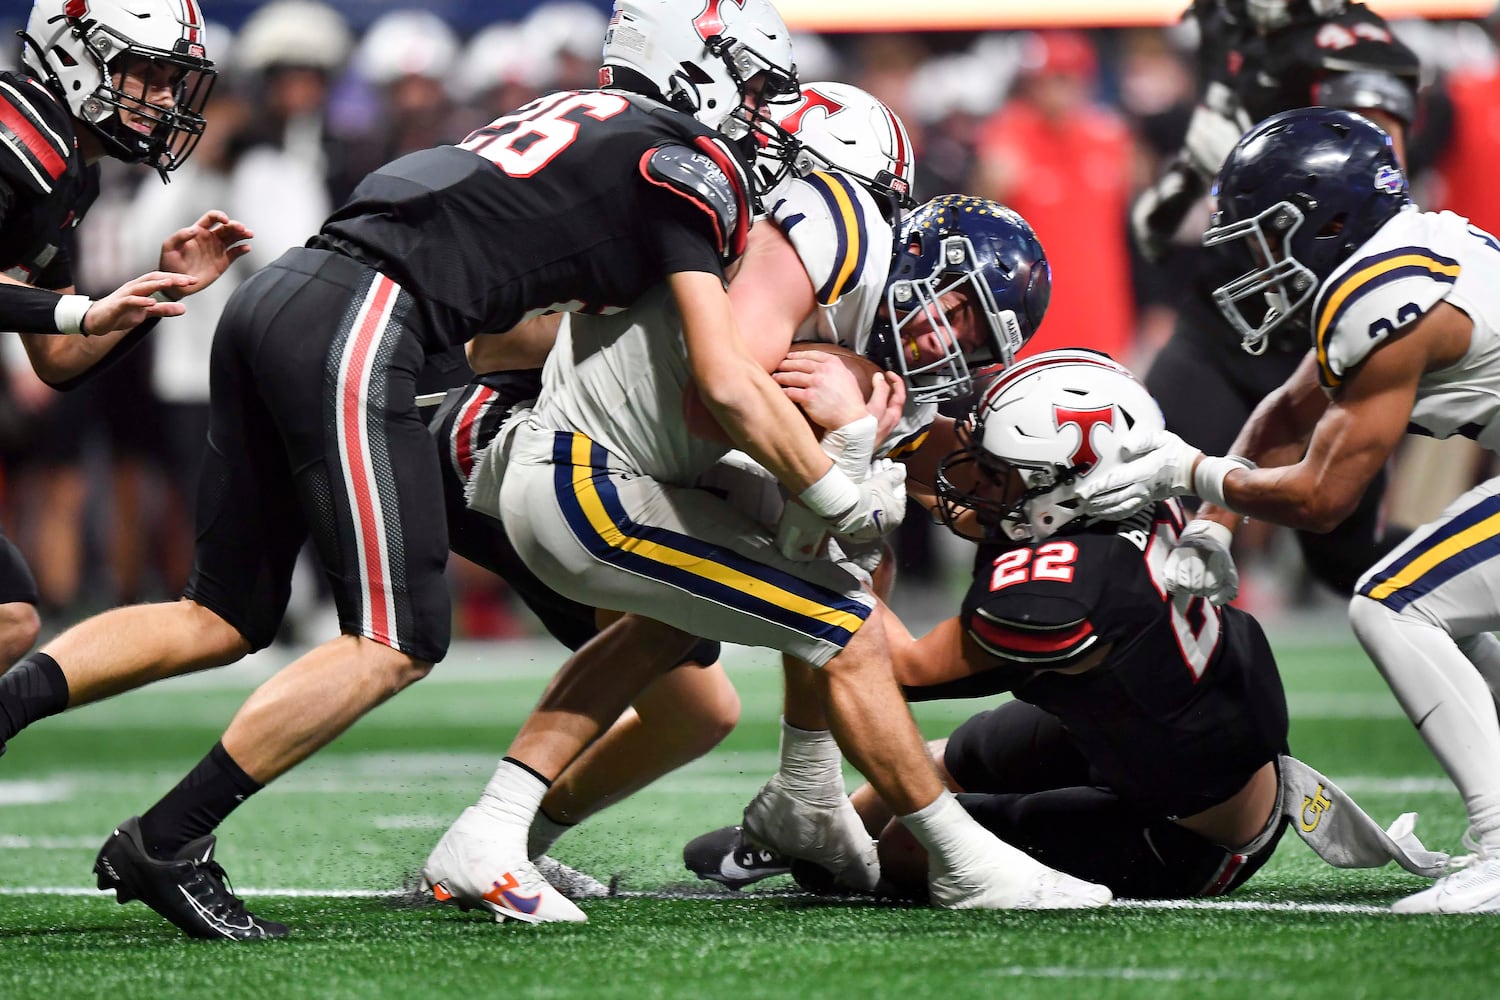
x,y
598,486
841,240
128,83
1258,57
1402,311
1145,748
577,201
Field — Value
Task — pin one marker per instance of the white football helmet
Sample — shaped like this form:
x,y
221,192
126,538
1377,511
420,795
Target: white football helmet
x,y
835,126
1042,427
699,56
79,48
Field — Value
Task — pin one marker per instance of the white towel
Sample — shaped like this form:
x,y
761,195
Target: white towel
x,y
1342,833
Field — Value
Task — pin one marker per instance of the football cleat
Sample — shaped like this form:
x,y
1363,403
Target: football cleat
x,y
468,869
1012,881
570,881
1474,888
726,857
828,835
191,889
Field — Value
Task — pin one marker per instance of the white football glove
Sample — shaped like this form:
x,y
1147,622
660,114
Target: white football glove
x,y
1201,564
801,534
1158,465
1212,132
880,508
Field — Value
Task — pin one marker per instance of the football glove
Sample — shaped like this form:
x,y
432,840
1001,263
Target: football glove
x,y
1201,564
880,508
1156,465
1212,132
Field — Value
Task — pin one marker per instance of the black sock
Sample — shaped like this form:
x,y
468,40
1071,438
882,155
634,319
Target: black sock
x,y
32,689
199,803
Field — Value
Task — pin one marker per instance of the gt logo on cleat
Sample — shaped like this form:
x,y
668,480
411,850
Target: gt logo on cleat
x,y
502,893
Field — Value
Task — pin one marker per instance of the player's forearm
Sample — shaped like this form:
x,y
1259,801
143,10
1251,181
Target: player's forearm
x,y
58,357
1280,427
763,423
1297,496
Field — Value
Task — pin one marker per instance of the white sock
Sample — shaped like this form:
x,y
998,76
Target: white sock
x,y
544,833
954,839
812,768
1446,698
512,797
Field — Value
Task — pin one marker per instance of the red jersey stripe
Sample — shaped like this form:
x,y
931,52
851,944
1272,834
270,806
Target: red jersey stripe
x,y
1027,640
40,147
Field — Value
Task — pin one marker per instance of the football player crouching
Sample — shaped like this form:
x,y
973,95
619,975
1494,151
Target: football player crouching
x,y
1146,745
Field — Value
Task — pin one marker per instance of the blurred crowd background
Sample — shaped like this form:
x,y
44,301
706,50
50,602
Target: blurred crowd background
x,y
1066,126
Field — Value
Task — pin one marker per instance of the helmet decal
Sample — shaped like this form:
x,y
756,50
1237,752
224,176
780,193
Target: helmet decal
x,y
811,98
709,23
76,8
1084,457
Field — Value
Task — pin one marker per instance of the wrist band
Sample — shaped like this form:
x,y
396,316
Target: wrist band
x,y
69,312
1208,478
831,496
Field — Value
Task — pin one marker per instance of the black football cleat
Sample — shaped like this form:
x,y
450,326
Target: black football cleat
x,y
191,890
726,857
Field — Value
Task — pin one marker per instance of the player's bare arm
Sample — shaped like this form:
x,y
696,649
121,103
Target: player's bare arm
x,y
1278,431
525,345
736,386
1358,432
57,357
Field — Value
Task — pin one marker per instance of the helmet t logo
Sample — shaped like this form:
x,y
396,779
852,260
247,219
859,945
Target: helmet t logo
x,y
1084,456
810,99
76,8
709,23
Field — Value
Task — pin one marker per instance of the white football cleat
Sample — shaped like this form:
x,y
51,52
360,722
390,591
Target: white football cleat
x,y
1014,882
830,836
467,868
570,881
1474,888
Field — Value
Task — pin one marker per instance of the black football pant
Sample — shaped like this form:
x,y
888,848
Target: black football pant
x,y
1025,780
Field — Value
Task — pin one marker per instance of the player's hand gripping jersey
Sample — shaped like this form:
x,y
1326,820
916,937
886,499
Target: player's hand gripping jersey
x,y
596,190
45,186
1186,704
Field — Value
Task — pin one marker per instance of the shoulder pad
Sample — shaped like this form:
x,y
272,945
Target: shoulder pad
x,y
1371,298
837,230
34,143
709,178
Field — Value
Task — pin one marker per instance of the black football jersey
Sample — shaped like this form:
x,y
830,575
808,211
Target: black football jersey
x,y
45,186
1186,704
552,208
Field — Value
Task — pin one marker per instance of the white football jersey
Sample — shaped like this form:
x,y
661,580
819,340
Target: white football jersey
x,y
846,246
1413,262
620,380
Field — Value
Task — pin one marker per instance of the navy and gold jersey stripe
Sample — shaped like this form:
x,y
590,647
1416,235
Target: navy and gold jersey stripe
x,y
849,228
598,520
908,444
1368,275
1464,542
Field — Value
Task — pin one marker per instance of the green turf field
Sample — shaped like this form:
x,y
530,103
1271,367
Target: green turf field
x,y
328,849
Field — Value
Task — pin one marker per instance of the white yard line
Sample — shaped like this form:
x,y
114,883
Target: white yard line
x,y
1216,905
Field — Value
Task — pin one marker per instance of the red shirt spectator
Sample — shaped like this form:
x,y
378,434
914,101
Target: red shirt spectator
x,y
1064,163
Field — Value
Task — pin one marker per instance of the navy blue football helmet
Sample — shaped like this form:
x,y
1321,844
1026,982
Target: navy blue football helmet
x,y
958,243
1303,190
